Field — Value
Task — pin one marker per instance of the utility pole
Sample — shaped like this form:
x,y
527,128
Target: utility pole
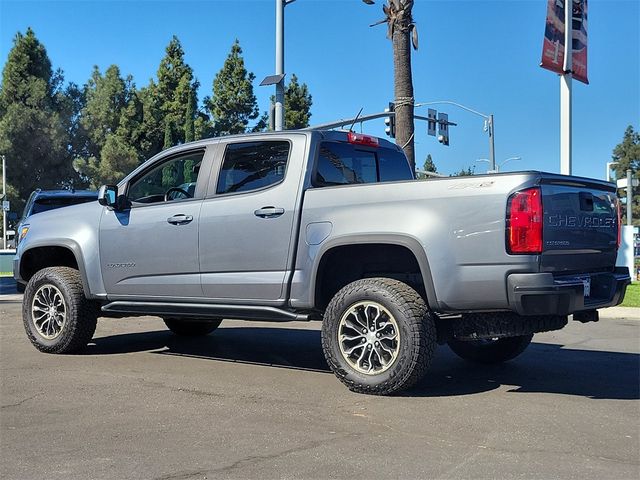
x,y
565,92
279,105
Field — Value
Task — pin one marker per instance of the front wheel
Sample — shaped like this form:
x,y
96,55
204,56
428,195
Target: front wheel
x,y
57,316
496,350
191,328
378,336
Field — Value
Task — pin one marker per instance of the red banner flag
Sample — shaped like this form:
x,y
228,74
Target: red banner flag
x,y
553,50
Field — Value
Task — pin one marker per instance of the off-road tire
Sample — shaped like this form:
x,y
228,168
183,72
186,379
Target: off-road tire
x,y
416,325
191,328
81,316
496,351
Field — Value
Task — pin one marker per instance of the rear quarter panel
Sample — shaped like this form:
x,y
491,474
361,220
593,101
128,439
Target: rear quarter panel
x,y
457,225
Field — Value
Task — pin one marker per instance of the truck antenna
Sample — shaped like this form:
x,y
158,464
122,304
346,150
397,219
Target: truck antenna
x,y
355,120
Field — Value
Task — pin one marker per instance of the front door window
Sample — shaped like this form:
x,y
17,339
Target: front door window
x,y
172,180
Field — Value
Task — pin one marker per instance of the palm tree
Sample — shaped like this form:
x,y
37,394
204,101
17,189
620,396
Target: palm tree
x,y
402,32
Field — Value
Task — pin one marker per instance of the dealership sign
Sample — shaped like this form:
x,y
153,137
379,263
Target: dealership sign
x,y
553,48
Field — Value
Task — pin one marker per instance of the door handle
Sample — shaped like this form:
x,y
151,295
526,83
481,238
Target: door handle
x,y
180,219
268,212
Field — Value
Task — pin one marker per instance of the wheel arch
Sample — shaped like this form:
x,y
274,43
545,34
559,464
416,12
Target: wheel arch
x,y
410,244
59,254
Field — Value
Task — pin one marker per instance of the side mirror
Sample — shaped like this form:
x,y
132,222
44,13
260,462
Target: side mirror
x,y
107,195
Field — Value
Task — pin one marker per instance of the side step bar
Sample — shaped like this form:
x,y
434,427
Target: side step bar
x,y
240,312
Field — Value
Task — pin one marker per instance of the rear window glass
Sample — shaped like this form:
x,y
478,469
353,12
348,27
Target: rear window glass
x,y
340,164
252,165
345,164
44,204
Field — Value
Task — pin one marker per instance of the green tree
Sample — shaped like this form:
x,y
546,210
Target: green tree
x,y
117,159
106,97
111,123
176,88
189,121
297,104
402,32
627,154
469,171
34,133
429,166
152,128
233,103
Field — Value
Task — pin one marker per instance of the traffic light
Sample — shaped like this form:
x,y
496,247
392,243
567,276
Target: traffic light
x,y
431,122
390,121
443,128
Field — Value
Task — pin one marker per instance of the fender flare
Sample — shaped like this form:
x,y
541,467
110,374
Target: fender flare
x,y
406,241
75,250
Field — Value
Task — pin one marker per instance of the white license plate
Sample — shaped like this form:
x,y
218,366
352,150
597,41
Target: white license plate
x,y
586,281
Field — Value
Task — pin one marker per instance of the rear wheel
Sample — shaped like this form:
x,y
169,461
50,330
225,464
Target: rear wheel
x,y
495,350
191,328
378,336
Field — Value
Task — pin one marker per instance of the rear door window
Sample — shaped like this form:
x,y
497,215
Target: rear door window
x,y
345,164
251,166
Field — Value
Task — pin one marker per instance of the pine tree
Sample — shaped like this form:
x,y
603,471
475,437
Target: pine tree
x,y
297,105
152,127
189,126
468,172
429,166
106,96
233,103
627,154
111,122
34,135
176,88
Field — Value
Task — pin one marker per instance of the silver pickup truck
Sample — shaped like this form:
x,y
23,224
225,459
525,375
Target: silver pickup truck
x,y
328,226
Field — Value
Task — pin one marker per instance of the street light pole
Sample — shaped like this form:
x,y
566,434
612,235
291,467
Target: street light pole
x,y
4,198
279,104
565,93
497,168
629,198
492,150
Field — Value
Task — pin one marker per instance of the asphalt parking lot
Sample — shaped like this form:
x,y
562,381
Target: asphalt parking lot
x,y
256,400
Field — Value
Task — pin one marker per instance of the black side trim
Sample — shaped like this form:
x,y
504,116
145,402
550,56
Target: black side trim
x,y
240,312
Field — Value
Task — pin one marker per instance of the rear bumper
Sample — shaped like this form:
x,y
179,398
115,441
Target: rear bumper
x,y
546,294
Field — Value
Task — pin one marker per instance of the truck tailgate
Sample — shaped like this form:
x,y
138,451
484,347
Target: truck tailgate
x,y
580,226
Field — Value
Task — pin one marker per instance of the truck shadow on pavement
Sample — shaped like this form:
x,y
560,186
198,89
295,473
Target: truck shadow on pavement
x,y
542,368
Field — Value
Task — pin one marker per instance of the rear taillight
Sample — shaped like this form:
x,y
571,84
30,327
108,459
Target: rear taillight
x,y
361,139
524,222
619,241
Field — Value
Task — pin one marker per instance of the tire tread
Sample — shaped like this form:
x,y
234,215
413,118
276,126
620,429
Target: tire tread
x,y
421,326
82,314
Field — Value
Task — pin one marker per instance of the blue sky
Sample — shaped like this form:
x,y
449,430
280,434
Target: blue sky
x,y
484,54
